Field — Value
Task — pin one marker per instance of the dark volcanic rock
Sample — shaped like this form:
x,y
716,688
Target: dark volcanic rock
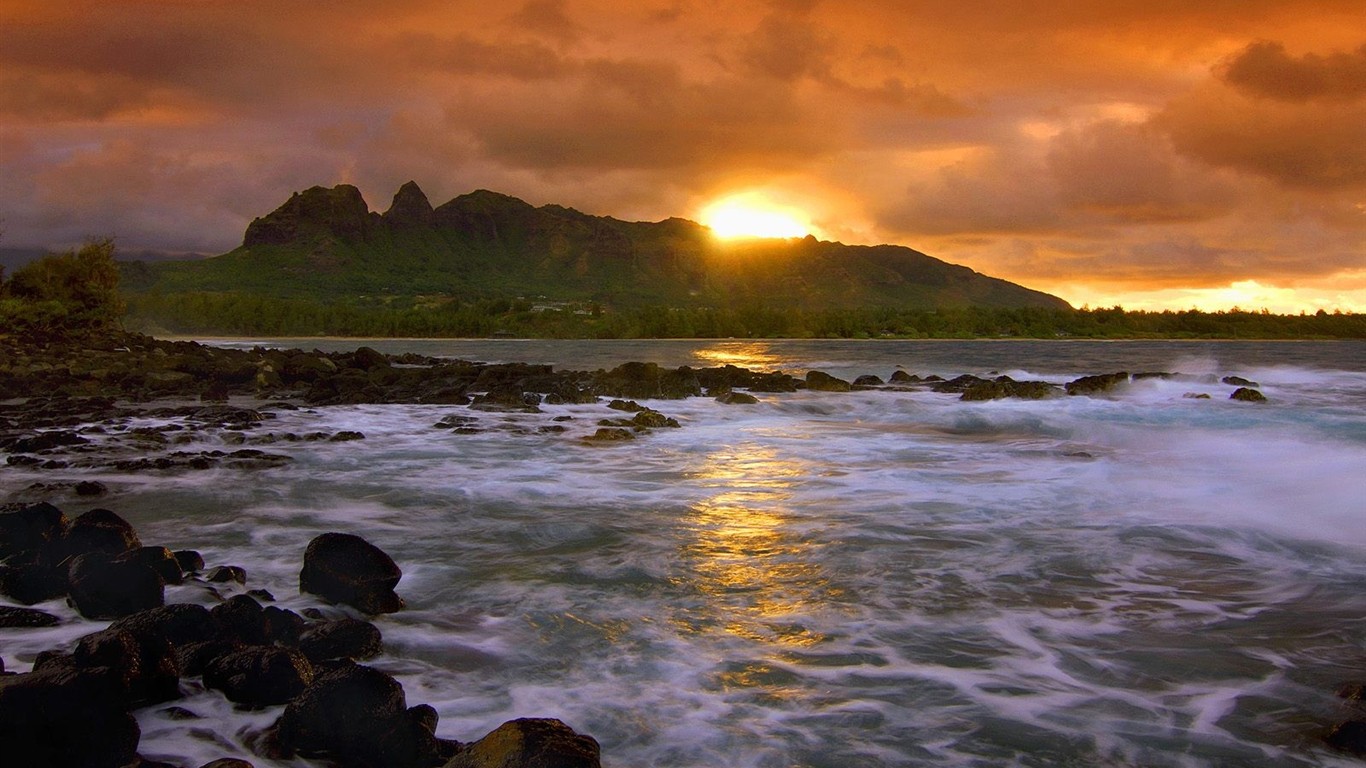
x,y
25,617
259,675
100,530
63,717
345,568
179,624
1349,736
341,639
163,561
29,528
357,716
32,579
46,441
1239,381
1096,385
108,587
145,663
736,398
1247,395
821,381
647,380
530,743
611,435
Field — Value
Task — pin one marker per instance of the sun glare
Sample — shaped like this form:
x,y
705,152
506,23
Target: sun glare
x,y
752,215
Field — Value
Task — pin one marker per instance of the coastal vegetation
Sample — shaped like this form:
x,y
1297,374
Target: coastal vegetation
x,y
63,294
244,314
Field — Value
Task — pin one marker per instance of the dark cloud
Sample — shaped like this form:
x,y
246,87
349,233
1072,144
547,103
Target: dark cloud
x,y
547,18
1264,68
1129,172
1308,146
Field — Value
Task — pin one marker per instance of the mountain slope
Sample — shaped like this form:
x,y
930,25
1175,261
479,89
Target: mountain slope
x,y
326,243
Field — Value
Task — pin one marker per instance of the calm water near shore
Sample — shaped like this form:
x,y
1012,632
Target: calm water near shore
x,y
876,578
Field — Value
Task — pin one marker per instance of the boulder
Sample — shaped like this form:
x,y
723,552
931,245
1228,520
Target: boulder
x,y
189,560
228,762
179,624
902,377
163,561
736,398
32,579
821,381
30,528
652,419
530,743
611,435
358,717
259,675
869,380
1247,395
345,568
1096,385
100,530
104,586
145,664
341,639
1348,736
63,717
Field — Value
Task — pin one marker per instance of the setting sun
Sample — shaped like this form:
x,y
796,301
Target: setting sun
x,y
753,215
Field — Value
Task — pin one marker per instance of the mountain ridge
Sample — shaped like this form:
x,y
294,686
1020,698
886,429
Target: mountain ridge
x,y
328,242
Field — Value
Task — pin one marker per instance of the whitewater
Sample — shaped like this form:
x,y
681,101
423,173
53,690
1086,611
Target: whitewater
x,y
885,577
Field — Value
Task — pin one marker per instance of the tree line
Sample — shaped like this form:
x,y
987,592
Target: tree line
x,y
63,294
253,315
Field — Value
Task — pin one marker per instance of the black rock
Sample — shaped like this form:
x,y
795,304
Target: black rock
x,y
100,530
63,717
821,381
11,617
345,568
189,560
163,561
108,587
341,639
1247,395
179,624
1349,736
736,398
145,663
1096,385
358,717
29,528
259,675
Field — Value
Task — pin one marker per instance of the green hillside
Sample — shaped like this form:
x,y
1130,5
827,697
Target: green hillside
x,y
327,245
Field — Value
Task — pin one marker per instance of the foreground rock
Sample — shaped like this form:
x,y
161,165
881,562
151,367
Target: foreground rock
x,y
358,717
345,568
530,743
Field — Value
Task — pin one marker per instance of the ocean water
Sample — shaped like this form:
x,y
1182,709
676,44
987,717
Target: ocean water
x,y
876,578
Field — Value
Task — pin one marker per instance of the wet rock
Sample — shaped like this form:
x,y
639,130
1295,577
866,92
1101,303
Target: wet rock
x,y
611,435
29,528
1247,395
1239,381
102,586
161,560
647,380
240,618
821,381
868,380
367,358
194,658
146,664
507,399
12,617
100,530
224,574
178,624
64,717
32,579
357,716
651,419
1195,395
630,406
189,560
46,441
1004,386
1096,385
345,568
91,488
259,675
346,436
902,377
1348,736
228,762
960,384
736,398
341,639
530,743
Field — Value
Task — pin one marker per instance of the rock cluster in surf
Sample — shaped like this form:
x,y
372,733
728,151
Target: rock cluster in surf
x,y
74,707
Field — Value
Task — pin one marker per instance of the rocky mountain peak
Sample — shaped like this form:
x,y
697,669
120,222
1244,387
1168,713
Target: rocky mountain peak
x,y
410,207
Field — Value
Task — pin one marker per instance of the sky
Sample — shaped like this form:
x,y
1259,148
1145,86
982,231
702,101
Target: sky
x,y
1158,154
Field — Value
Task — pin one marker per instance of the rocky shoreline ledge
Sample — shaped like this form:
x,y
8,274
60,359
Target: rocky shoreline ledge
x,y
88,404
